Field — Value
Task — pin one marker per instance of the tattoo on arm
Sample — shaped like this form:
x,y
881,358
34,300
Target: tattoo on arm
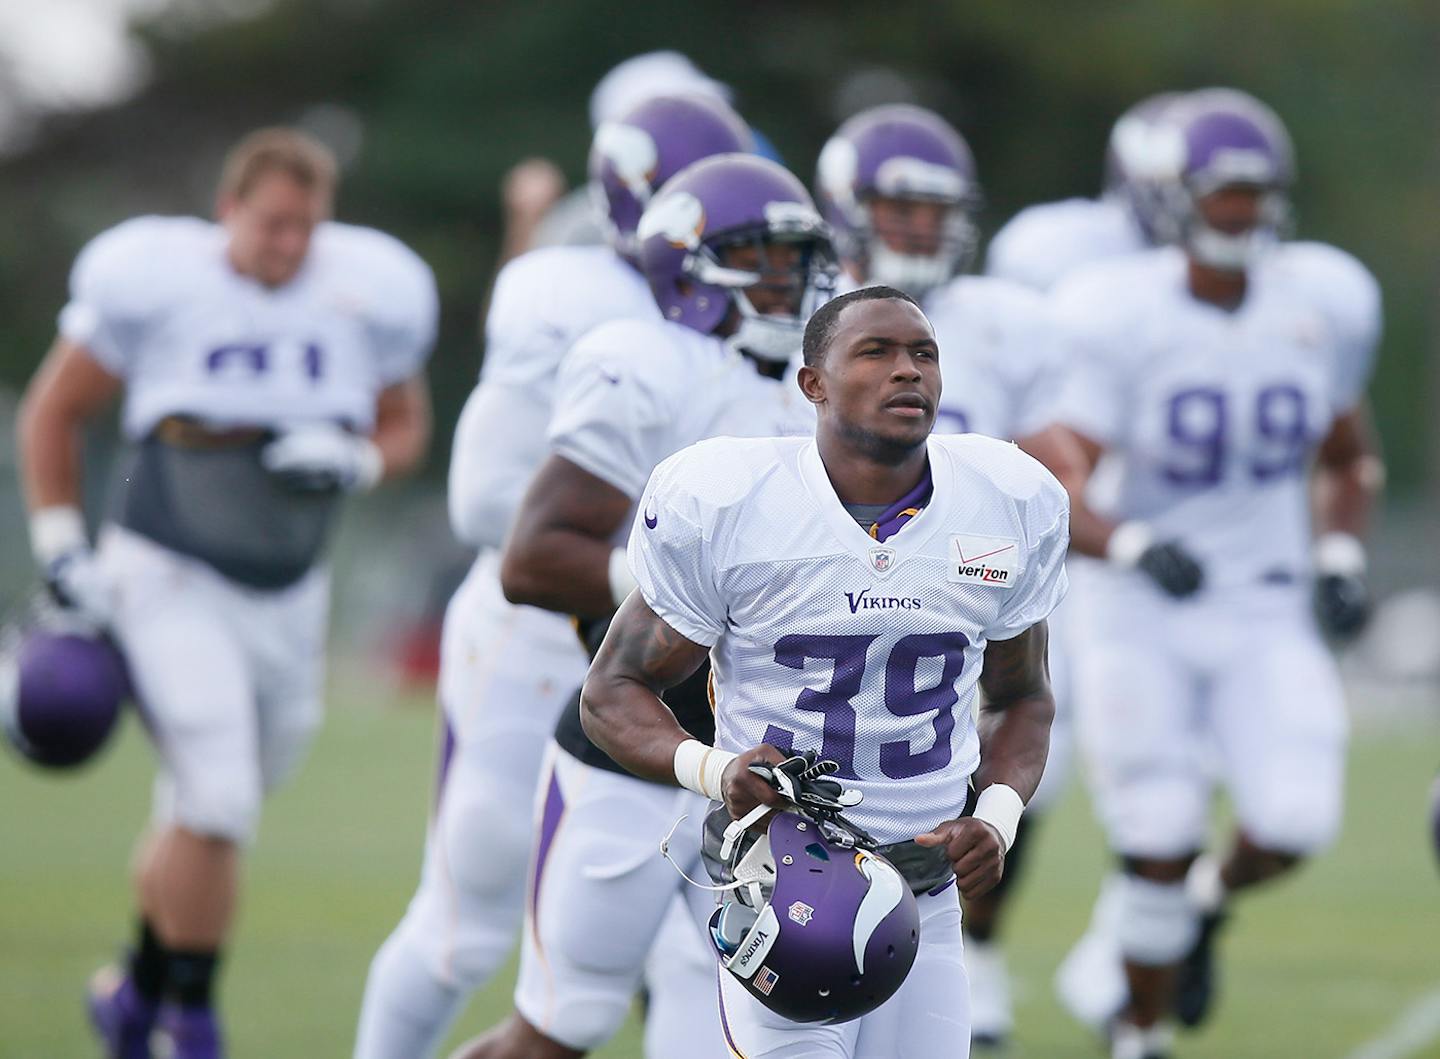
x,y
647,650
1016,669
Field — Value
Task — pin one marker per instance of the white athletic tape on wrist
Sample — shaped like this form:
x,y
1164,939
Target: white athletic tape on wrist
x,y
369,465
55,531
622,581
1339,553
1000,806
699,767
1128,542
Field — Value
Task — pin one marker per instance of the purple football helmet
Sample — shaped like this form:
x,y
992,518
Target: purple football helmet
x,y
815,929
60,694
1140,163
901,152
1224,138
743,201
630,158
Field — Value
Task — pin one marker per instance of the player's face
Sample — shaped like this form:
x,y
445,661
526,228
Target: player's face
x,y
909,226
879,381
270,228
782,286
1234,209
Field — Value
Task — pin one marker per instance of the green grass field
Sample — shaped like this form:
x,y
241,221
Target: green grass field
x,y
1314,968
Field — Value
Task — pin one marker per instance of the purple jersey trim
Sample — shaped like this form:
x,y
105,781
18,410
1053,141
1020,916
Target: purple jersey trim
x,y
903,510
447,755
549,825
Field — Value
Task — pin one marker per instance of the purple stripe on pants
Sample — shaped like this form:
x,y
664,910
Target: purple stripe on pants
x,y
447,755
549,824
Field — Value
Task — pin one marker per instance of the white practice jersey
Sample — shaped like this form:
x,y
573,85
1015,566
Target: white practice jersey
x,y
1210,418
633,392
823,639
543,302
157,303
1042,244
1000,358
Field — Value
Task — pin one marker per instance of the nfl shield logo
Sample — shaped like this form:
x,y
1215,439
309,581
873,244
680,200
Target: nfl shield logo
x,y
801,913
881,558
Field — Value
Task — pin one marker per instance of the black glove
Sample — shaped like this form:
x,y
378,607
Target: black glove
x,y
804,780
1171,567
1342,605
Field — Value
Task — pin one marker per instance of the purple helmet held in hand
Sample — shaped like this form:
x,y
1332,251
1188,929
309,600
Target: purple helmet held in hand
x,y
1141,166
631,157
726,230
905,153
1224,138
60,694
816,930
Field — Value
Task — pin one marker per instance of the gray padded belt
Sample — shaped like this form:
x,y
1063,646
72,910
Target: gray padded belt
x,y
221,507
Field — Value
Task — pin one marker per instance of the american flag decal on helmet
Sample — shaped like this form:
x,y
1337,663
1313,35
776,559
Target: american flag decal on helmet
x,y
765,980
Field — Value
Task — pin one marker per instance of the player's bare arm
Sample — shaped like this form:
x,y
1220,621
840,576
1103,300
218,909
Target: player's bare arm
x,y
69,389
621,709
1347,478
1071,457
1016,711
559,550
1349,475
620,704
402,426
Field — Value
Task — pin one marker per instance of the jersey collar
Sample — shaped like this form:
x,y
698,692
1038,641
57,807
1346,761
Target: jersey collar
x,y
881,560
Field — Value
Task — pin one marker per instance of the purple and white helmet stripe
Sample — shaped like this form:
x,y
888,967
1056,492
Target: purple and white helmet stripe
x,y
632,156
1223,137
902,152
1142,163
815,930
725,200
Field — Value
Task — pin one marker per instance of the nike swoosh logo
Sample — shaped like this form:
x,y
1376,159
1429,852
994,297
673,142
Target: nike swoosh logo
x,y
976,558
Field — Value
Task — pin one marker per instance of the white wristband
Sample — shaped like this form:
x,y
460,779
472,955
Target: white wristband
x,y
700,767
622,581
369,465
1339,553
1128,542
55,531
1000,807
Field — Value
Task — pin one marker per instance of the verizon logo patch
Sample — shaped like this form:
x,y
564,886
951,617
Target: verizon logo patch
x,y
988,561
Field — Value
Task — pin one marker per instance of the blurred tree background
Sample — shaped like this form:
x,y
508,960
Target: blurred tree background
x,y
435,100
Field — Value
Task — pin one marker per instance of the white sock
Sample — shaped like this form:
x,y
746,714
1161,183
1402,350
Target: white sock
x,y
406,1012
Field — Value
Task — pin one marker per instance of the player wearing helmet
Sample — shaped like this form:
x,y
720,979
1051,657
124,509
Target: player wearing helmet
x,y
1041,244
736,257
271,363
1218,386
899,186
506,670
855,593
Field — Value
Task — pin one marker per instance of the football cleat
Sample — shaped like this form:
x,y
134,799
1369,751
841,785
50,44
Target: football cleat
x,y
121,1017
191,1033
1195,989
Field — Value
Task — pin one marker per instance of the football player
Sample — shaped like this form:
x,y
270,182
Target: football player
x,y
899,186
271,363
854,591
737,257
1041,244
1218,387
506,670
1037,248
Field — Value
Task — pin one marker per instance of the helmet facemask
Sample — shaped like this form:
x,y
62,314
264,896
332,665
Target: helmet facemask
x,y
807,284
914,273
